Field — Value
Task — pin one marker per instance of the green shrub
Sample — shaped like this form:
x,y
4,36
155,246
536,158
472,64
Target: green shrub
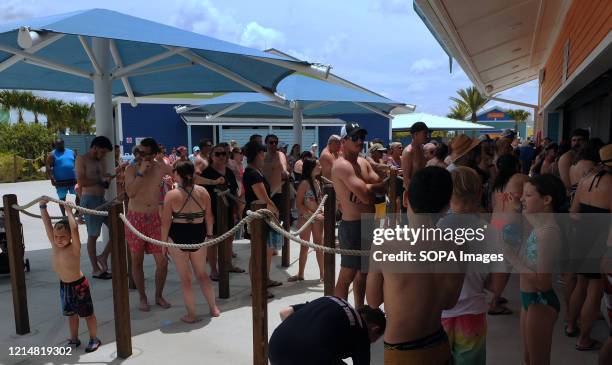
x,y
27,140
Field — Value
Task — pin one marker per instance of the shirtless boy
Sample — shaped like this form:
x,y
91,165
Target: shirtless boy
x,y
413,157
74,287
143,186
356,185
414,301
93,181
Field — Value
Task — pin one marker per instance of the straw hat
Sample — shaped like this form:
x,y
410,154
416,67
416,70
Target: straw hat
x,y
605,153
461,145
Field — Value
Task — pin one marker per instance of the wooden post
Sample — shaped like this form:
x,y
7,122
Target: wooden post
x,y
223,260
329,239
286,218
15,253
392,196
131,282
121,295
259,283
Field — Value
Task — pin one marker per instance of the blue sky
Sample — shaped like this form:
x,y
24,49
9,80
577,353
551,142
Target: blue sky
x,y
380,44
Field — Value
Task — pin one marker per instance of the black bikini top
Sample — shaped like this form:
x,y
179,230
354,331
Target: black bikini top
x,y
189,217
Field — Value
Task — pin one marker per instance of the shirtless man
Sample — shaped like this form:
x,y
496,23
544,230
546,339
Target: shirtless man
x,y
413,157
578,139
143,186
414,301
356,184
201,160
330,154
275,170
93,181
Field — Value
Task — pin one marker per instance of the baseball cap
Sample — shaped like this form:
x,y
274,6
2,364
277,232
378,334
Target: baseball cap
x,y
351,129
196,149
377,147
181,148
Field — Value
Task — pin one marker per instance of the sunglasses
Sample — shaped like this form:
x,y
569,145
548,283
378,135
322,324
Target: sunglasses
x,y
358,137
272,142
221,154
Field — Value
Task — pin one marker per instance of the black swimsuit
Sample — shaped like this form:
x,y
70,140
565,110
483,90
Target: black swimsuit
x,y
188,233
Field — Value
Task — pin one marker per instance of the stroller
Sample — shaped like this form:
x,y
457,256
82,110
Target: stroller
x,y
4,260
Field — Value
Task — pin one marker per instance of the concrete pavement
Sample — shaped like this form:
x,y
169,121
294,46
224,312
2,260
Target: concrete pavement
x,y
159,337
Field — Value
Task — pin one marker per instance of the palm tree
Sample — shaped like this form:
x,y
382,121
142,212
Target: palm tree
x,y
519,116
53,109
77,114
471,99
22,102
37,107
459,111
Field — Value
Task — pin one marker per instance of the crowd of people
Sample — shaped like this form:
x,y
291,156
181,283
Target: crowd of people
x,y
173,198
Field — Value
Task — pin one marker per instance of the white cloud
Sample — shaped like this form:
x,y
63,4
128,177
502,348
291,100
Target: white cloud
x,y
260,37
15,9
423,65
202,16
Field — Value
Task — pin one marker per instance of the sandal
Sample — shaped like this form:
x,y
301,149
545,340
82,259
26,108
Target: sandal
x,y
595,345
295,278
104,276
236,269
272,283
573,333
214,277
499,311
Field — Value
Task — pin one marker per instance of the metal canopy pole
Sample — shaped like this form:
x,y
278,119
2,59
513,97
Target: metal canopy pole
x,y
104,110
298,119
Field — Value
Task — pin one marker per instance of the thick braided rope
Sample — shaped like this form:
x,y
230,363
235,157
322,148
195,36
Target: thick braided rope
x,y
207,243
270,219
61,202
312,217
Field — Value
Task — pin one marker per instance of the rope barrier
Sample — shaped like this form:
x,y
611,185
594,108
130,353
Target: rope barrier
x,y
207,243
100,210
265,214
269,217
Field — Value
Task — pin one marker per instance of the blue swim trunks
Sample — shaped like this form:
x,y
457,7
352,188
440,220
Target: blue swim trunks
x,y
93,222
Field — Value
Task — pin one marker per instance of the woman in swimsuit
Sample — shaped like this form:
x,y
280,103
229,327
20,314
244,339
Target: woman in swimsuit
x,y
542,195
308,198
593,195
545,161
187,219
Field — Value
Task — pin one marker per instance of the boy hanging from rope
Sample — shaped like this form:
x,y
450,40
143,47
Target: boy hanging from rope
x,y
74,286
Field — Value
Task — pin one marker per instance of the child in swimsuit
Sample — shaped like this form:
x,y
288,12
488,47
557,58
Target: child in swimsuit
x,y
542,196
74,286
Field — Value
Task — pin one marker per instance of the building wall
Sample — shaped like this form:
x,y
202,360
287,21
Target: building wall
x,y
159,121
586,24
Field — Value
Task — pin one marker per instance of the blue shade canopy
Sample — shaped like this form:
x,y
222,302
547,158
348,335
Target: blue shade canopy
x,y
170,60
316,98
435,122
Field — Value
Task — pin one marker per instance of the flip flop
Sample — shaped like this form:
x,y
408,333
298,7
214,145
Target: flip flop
x,y
503,311
594,346
104,276
295,278
272,283
214,277
502,300
236,269
574,333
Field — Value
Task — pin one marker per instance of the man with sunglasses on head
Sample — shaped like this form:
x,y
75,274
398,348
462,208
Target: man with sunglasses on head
x,y
201,160
143,184
413,157
356,185
275,170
